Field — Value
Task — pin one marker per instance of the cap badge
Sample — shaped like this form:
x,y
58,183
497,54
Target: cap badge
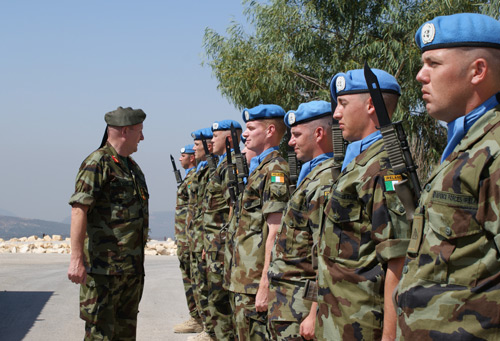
x,y
183,150
215,126
247,115
340,83
291,118
428,33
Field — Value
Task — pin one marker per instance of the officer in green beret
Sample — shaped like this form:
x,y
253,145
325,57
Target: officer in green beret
x,y
109,229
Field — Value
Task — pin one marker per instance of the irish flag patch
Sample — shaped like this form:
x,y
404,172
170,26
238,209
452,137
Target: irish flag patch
x,y
391,180
277,177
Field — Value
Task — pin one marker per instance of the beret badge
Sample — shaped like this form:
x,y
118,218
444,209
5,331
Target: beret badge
x,y
183,150
247,115
428,33
215,126
340,83
291,118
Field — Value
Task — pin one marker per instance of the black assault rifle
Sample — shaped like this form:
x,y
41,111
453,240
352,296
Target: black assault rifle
x,y
293,164
177,173
397,148
241,161
231,173
211,159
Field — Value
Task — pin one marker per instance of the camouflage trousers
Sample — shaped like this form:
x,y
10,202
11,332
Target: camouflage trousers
x,y
250,324
287,310
109,306
221,314
185,267
200,288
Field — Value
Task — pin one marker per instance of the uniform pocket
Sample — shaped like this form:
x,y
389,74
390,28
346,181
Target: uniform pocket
x,y
453,240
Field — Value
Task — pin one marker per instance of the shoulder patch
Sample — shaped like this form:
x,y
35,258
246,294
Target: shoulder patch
x,y
277,177
391,180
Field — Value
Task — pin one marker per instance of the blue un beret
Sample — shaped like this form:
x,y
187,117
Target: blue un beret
x,y
459,30
307,112
262,112
188,149
225,125
207,134
353,82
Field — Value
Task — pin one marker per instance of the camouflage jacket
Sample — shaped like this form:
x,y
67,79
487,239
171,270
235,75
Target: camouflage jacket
x,y
291,262
216,209
266,192
450,288
195,209
117,219
181,209
364,227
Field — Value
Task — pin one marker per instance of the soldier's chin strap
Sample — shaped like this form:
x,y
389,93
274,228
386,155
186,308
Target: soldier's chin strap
x,y
104,138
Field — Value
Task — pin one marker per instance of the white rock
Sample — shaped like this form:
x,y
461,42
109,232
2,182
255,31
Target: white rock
x,y
24,249
57,237
23,239
39,250
13,249
13,240
150,252
47,238
32,238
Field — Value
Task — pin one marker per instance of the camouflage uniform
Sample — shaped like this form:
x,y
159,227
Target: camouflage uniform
x,y
195,241
450,287
364,227
215,220
115,190
183,252
291,264
266,192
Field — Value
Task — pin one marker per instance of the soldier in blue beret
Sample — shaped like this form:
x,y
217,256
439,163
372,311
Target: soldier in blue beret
x,y
450,288
365,232
262,203
109,230
188,162
216,217
195,235
290,315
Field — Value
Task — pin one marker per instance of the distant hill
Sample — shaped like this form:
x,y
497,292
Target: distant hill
x,y
161,226
13,227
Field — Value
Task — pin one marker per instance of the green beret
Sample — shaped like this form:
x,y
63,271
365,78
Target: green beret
x,y
122,117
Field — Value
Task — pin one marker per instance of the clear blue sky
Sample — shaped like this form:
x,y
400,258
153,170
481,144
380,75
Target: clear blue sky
x,y
64,64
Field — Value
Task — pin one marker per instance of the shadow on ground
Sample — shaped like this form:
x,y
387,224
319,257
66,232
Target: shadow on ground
x,y
28,304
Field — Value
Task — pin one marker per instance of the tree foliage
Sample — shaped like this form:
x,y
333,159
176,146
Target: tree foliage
x,y
296,46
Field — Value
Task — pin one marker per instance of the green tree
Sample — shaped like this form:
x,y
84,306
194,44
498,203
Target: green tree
x,y
296,46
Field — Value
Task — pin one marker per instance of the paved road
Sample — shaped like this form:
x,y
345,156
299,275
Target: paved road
x,y
38,302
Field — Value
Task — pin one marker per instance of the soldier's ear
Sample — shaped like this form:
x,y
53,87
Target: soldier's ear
x,y
370,108
479,70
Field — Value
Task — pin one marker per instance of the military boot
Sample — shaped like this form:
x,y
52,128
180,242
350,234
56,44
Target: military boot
x,y
203,336
190,326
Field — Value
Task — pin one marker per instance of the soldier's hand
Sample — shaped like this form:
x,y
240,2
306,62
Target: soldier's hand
x,y
77,272
307,327
261,299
